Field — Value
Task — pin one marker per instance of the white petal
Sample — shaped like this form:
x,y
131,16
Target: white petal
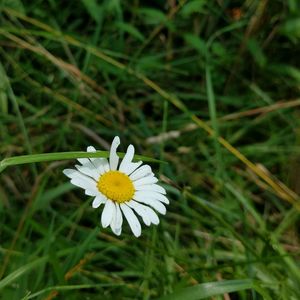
x,y
83,161
152,188
116,223
158,206
152,195
96,203
127,166
71,173
113,156
91,149
141,172
89,170
127,159
91,192
145,180
131,219
114,211
119,220
81,180
101,165
91,188
161,198
85,179
74,174
131,167
118,231
152,215
100,199
140,210
108,213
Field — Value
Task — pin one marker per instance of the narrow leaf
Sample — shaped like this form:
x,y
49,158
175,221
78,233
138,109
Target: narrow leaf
x,y
205,290
133,31
19,272
34,158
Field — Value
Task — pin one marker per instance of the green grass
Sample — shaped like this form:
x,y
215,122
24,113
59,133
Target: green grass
x,y
211,87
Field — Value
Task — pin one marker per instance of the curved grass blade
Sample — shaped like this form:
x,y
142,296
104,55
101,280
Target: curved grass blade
x,y
9,279
22,270
72,287
34,158
205,290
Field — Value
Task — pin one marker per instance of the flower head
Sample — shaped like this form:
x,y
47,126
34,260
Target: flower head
x,y
128,188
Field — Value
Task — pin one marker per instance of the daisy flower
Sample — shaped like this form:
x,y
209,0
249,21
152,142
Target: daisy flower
x,y
128,189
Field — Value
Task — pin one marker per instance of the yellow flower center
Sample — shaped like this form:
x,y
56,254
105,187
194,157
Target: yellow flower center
x,y
116,186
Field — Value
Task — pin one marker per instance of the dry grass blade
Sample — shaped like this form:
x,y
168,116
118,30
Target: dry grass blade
x,y
262,110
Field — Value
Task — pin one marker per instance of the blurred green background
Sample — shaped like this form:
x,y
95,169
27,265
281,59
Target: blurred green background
x,y
212,88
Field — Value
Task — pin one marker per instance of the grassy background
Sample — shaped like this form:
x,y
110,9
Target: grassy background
x,y
197,83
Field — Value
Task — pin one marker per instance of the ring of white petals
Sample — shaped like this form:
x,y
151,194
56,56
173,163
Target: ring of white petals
x,y
124,188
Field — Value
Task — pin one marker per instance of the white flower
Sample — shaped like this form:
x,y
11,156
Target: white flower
x,y
126,188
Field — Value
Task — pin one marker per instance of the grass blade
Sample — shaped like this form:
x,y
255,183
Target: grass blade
x,y
11,95
205,290
72,287
19,272
34,158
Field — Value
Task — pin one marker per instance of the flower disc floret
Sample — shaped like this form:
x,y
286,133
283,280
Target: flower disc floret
x,y
116,186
